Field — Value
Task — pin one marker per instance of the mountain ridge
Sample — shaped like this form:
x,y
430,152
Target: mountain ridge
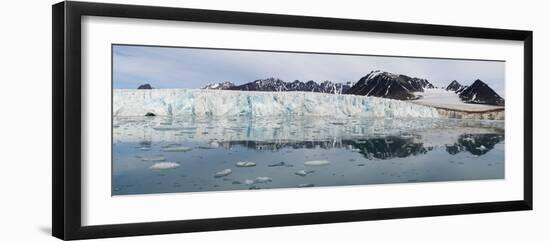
x,y
389,85
480,93
276,84
376,83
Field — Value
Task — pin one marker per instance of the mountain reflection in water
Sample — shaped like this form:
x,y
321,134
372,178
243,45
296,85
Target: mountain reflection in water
x,y
176,154
381,147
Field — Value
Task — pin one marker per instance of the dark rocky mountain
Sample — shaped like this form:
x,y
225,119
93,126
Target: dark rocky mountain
x,y
480,93
269,84
454,86
461,89
273,84
145,87
219,86
388,85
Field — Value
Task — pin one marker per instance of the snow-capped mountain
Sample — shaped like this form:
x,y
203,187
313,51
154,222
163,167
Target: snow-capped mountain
x,y
269,84
273,84
454,86
388,85
219,86
480,93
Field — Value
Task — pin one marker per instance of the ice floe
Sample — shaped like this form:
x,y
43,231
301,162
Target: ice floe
x,y
223,173
177,149
258,180
262,179
154,159
278,164
214,144
245,164
303,173
317,163
164,165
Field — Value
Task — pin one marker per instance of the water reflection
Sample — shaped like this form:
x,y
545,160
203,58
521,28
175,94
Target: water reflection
x,y
381,147
161,154
293,129
477,144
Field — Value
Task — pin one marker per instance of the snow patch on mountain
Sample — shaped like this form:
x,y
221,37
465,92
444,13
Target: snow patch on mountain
x,y
448,99
219,86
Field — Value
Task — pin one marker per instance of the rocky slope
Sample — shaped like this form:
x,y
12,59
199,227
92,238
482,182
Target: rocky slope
x,y
389,85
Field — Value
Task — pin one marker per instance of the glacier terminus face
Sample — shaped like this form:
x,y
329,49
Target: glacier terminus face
x,y
216,103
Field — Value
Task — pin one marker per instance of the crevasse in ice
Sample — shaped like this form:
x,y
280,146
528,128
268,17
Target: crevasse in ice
x,y
216,103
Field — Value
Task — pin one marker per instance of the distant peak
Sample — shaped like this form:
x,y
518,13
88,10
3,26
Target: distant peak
x,y
145,87
479,82
480,93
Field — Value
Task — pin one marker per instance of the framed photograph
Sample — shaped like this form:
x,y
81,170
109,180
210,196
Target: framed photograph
x,y
170,120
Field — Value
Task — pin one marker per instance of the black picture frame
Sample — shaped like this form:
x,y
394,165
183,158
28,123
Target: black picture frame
x,y
66,128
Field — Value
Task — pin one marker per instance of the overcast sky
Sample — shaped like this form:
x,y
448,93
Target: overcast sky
x,y
165,67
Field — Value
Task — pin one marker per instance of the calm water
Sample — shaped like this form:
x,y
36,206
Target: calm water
x,y
171,154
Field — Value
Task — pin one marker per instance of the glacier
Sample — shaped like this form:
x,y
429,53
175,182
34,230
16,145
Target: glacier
x,y
220,103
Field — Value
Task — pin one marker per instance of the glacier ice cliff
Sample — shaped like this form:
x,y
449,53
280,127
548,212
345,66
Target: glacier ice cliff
x,y
218,103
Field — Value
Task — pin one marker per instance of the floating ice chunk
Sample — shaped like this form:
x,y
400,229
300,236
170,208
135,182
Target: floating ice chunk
x,y
262,179
154,159
177,149
164,165
317,163
278,164
258,180
171,145
303,173
145,148
245,164
214,144
306,185
223,173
